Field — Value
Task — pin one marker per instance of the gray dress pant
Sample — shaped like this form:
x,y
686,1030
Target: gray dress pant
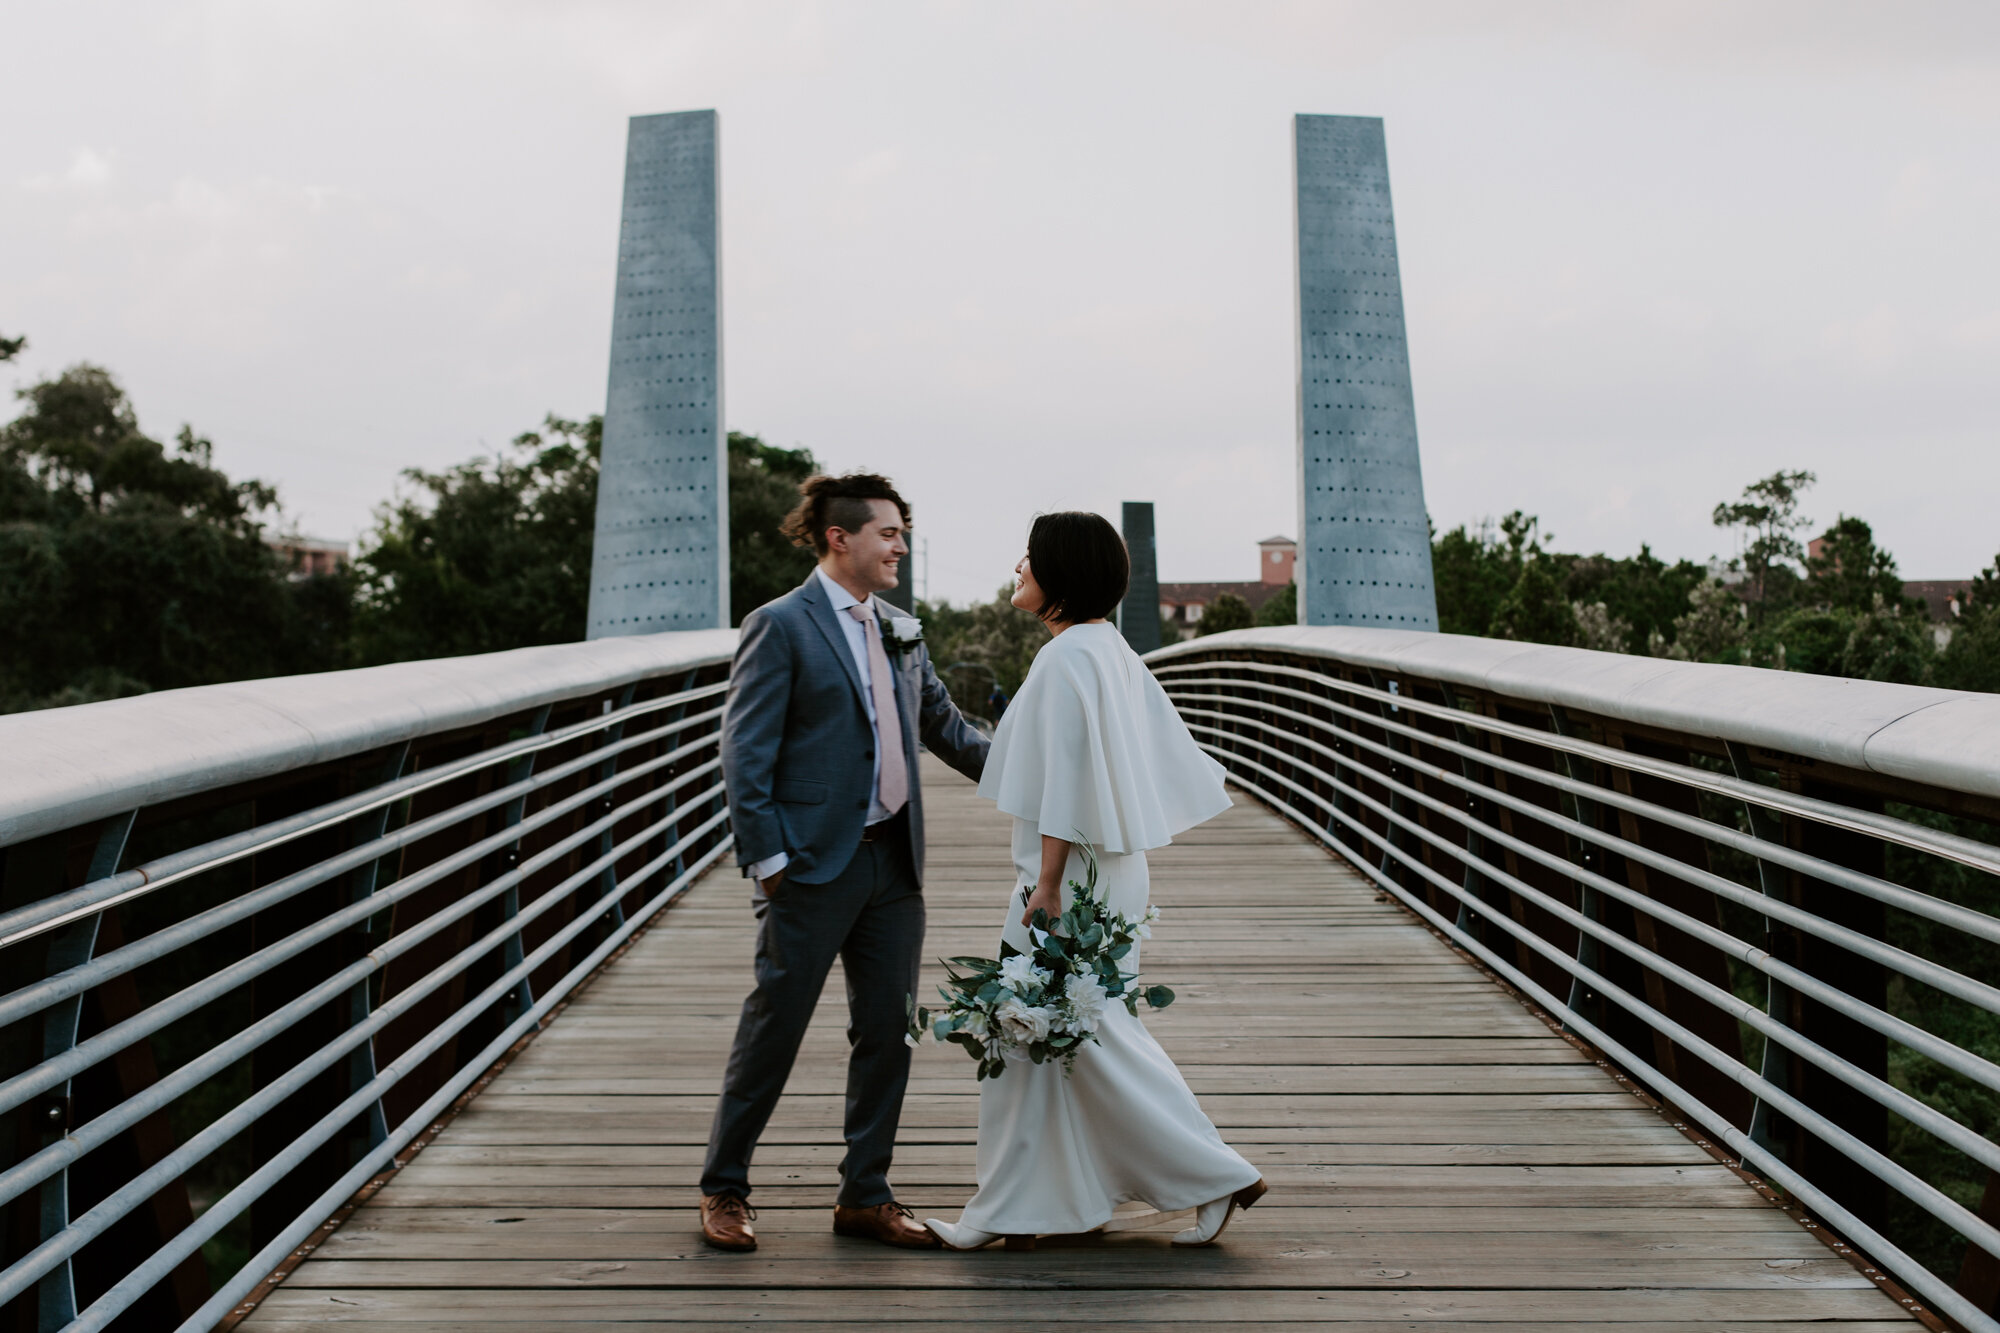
x,y
870,916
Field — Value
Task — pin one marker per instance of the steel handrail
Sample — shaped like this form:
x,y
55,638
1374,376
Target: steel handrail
x,y
76,980
1910,965
1966,851
239,1118
1342,759
26,1173
1868,886
1748,1150
58,1069
1918,1191
39,918
546,847
1972,1066
383,1156
1973,1145
226,1208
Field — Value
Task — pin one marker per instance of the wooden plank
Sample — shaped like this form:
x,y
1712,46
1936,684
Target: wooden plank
x,y
1663,1224
926,1307
1439,1159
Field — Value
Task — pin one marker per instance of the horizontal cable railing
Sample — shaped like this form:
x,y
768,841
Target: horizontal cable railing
x,y
1771,900
269,932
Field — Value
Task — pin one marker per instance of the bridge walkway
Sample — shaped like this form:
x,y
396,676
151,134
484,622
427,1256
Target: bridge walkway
x,y
1439,1158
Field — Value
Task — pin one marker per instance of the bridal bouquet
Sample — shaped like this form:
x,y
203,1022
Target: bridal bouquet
x,y
1042,1005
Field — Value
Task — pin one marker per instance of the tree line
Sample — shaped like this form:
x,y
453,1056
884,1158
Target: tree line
x,y
129,564
1837,610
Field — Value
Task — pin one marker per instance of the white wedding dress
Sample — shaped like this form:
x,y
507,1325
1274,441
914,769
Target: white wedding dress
x,y
1091,749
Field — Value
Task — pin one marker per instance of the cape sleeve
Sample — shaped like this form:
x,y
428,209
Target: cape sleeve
x,y
1092,750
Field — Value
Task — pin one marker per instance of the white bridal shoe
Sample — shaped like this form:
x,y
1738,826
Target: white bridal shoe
x,y
957,1236
1213,1216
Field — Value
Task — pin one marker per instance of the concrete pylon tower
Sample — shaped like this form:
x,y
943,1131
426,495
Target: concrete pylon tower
x,y
661,558
1139,613
1364,536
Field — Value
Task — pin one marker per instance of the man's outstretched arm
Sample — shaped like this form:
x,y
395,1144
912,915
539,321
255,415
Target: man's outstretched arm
x,y
944,729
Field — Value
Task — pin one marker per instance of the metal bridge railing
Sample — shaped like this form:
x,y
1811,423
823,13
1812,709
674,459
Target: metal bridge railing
x,y
1768,898
255,938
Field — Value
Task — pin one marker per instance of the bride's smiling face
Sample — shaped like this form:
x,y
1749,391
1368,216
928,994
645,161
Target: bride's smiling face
x,y
1027,593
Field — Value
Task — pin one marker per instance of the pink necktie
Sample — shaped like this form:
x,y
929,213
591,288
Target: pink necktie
x,y
894,786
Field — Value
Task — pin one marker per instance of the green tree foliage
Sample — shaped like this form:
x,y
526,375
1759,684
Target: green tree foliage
x,y
1597,629
1535,609
1852,573
1642,592
126,566
11,348
1850,617
1712,629
1971,661
763,488
1768,518
1282,609
487,555
1473,570
1226,612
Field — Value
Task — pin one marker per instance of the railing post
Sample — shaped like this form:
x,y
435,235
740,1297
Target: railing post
x,y
56,1295
1589,953
519,770
1342,801
1395,835
1866,981
1722,1094
361,1068
671,802
1472,882
607,878
1775,1066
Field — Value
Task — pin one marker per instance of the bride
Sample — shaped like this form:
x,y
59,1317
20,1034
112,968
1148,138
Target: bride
x,y
1091,747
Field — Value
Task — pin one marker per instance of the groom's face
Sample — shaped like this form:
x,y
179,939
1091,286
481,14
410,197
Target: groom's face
x,y
871,556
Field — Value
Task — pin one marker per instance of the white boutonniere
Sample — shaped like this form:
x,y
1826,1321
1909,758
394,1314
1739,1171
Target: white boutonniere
x,y
904,633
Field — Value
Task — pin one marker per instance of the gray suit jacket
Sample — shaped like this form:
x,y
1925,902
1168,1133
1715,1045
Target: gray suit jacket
x,y
797,747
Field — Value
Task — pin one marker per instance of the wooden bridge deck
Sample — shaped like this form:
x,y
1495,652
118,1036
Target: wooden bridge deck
x,y
1438,1158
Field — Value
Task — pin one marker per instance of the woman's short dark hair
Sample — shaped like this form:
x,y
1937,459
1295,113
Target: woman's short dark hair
x,y
845,502
1081,564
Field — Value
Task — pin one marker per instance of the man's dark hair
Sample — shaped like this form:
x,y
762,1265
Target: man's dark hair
x,y
1081,564
838,502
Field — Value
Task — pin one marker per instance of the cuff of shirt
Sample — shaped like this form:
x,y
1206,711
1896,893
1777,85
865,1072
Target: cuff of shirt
x,y
769,866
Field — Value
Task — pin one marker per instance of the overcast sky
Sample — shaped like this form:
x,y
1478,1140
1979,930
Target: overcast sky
x,y
1037,255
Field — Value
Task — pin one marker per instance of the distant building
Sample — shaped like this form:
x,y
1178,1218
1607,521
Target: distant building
x,y
1945,598
309,556
1182,604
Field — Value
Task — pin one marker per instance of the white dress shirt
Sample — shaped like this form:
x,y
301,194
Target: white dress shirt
x,y
857,643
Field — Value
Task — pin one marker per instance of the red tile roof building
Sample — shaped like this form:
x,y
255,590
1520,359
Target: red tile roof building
x,y
1182,604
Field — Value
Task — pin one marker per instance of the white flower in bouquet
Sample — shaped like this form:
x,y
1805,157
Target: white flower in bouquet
x,y
1084,996
1020,975
1021,1023
1043,1005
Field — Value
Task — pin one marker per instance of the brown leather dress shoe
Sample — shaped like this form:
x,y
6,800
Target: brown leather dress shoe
x,y
725,1222
890,1223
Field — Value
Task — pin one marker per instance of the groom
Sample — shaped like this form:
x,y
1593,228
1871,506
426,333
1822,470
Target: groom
x,y
819,749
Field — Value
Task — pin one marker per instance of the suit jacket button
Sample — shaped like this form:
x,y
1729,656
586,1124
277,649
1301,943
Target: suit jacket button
x,y
861,805
869,755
